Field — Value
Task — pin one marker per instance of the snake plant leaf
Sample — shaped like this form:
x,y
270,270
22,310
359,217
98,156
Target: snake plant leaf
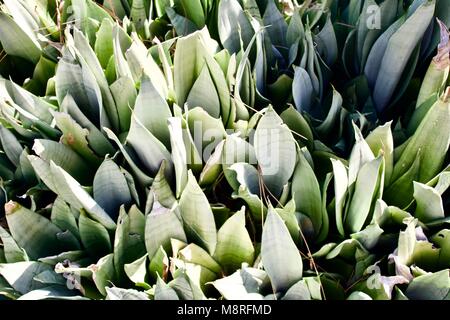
x,y
302,90
213,167
161,188
375,58
72,192
182,25
193,11
143,178
324,129
110,188
360,155
368,187
64,157
17,42
298,291
11,250
432,286
236,287
245,175
20,275
161,226
10,145
63,217
306,193
33,232
400,192
432,155
234,245
298,124
341,192
159,265
429,203
142,140
125,294
29,102
74,256
196,255
124,93
103,273
327,43
103,44
234,26
128,244
72,79
275,151
94,236
137,270
398,51
153,111
291,220
88,60
197,215
141,63
381,141
441,240
197,97
73,127
178,154
280,256
255,204
164,291
186,289
276,25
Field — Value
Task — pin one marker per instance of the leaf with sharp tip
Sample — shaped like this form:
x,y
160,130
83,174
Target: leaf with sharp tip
x,y
64,157
103,273
153,111
12,252
159,264
16,41
20,274
10,145
94,236
162,190
280,257
367,188
361,154
399,49
306,193
197,97
73,126
164,292
33,232
431,286
142,140
197,215
275,150
234,26
381,141
429,203
124,93
302,90
234,245
236,286
137,270
143,178
327,43
196,255
161,226
104,44
178,154
72,192
63,217
110,188
340,190
182,26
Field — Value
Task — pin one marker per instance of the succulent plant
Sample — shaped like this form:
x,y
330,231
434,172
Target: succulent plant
x,y
227,149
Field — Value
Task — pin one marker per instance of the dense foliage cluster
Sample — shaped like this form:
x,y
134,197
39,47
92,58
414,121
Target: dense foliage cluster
x,y
224,149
